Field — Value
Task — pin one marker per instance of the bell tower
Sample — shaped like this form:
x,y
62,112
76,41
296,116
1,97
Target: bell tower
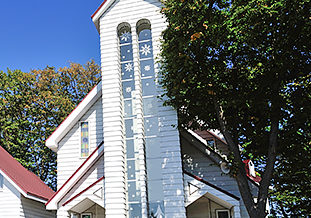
x,y
142,157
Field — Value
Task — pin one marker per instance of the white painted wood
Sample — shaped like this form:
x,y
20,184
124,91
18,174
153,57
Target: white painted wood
x,y
91,176
68,155
14,204
132,11
197,163
10,200
31,208
72,119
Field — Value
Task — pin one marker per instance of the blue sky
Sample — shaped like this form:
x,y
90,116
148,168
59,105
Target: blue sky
x,y
37,33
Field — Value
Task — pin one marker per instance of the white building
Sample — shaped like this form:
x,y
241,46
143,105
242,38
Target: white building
x,y
22,193
118,153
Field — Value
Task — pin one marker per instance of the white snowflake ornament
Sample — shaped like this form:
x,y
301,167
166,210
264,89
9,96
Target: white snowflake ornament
x,y
128,89
147,68
125,36
128,67
145,49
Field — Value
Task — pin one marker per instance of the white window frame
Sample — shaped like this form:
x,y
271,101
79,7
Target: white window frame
x,y
80,138
223,210
87,214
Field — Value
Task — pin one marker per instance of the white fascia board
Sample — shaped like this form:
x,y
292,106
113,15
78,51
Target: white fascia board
x,y
21,190
101,11
73,117
195,135
53,202
217,195
35,198
13,183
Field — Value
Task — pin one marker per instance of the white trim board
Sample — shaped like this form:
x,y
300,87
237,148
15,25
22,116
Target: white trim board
x,y
73,117
212,193
52,204
25,194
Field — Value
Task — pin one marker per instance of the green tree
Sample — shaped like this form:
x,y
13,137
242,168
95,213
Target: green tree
x,y
243,67
33,104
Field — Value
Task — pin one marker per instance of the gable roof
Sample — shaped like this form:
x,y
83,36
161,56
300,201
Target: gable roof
x,y
204,135
75,177
73,117
211,185
99,11
25,181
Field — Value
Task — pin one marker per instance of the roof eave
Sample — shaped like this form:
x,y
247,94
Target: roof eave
x,y
73,117
100,11
52,203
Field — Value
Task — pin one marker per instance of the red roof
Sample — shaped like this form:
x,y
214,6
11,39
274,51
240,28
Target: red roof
x,y
24,179
98,8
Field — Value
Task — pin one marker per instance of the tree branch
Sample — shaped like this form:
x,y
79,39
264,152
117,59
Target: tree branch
x,y
241,174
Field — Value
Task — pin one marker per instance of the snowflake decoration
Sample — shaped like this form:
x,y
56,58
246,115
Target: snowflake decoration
x,y
128,67
147,68
125,36
128,89
145,50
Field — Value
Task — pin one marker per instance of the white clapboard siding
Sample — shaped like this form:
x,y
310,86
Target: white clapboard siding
x,y
10,202
131,11
91,176
31,208
68,155
199,164
14,204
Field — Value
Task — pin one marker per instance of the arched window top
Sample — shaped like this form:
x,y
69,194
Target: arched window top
x,y
124,33
143,29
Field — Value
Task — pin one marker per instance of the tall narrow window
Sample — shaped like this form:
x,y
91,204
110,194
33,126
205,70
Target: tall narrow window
x,y
85,141
151,119
128,90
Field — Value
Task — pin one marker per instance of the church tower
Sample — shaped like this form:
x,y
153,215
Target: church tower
x,y
142,157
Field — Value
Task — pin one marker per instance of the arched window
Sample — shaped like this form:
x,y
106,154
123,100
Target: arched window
x,y
151,123
128,90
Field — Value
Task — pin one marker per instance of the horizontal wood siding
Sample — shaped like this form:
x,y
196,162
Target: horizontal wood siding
x,y
131,11
197,163
92,175
34,209
10,202
68,155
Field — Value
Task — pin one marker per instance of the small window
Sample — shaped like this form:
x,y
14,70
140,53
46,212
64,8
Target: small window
x,y
85,141
211,142
74,216
1,181
86,215
222,214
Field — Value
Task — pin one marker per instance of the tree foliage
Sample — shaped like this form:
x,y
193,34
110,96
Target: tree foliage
x,y
33,104
243,67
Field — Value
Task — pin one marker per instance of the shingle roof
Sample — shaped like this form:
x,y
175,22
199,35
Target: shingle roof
x,y
24,179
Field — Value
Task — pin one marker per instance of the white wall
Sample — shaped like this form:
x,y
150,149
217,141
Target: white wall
x,y
10,202
92,175
197,163
131,11
68,155
203,208
33,209
14,204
